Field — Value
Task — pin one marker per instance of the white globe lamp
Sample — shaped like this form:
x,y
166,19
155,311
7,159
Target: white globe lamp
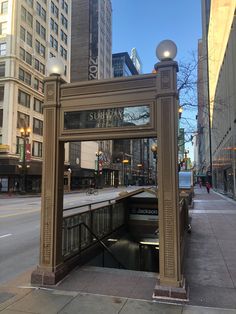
x,y
166,50
55,66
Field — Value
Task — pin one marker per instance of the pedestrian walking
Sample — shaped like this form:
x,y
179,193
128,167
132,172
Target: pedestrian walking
x,y
200,183
208,186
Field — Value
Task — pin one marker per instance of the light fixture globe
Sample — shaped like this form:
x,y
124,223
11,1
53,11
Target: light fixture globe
x,y
55,66
166,50
154,148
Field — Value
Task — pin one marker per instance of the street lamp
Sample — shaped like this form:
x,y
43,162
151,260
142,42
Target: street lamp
x,y
125,162
180,112
186,159
25,133
166,50
55,66
98,167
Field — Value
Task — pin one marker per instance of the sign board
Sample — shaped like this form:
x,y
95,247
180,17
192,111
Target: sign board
x,y
108,117
28,152
4,148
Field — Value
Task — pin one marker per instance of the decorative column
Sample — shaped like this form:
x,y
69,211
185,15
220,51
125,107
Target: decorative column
x,y
170,283
50,269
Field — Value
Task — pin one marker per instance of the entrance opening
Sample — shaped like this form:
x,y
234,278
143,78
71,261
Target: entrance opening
x,y
114,218
137,248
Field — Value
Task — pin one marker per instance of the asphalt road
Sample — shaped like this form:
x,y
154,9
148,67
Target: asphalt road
x,y
20,225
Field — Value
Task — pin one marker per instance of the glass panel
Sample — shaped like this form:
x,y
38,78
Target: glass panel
x,y
112,117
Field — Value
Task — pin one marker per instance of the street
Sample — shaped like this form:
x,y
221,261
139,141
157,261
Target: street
x,y
20,225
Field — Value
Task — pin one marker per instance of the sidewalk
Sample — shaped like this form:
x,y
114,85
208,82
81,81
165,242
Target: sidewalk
x,y
210,269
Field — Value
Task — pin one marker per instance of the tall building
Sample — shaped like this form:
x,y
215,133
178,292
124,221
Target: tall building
x,y
202,117
136,60
91,45
219,45
203,141
122,65
91,59
30,33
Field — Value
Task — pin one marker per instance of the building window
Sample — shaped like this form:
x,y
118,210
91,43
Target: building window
x,y
26,17
26,36
54,26
23,98
37,126
63,52
38,105
29,39
36,64
63,37
38,85
64,21
40,48
3,28
37,149
64,6
43,14
4,7
53,43
24,76
54,9
19,141
39,66
24,55
2,69
40,30
40,11
22,120
1,117
22,33
3,49
1,93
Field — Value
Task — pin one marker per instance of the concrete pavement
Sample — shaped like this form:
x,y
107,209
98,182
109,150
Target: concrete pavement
x,y
210,269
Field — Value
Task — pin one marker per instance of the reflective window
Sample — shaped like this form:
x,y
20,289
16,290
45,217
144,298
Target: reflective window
x,y
37,149
37,126
3,49
4,7
112,117
23,98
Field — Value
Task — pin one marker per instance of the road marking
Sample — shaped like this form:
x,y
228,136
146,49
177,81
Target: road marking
x,y
6,235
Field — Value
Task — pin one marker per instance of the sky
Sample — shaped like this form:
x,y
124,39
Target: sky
x,y
143,24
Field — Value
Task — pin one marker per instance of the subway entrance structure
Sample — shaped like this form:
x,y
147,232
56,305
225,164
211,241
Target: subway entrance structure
x,y
141,106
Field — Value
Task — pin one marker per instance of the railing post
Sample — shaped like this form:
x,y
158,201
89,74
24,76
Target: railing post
x,y
80,235
111,217
90,224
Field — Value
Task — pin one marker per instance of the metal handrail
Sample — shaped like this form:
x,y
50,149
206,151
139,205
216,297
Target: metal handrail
x,y
116,199
89,204
101,243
